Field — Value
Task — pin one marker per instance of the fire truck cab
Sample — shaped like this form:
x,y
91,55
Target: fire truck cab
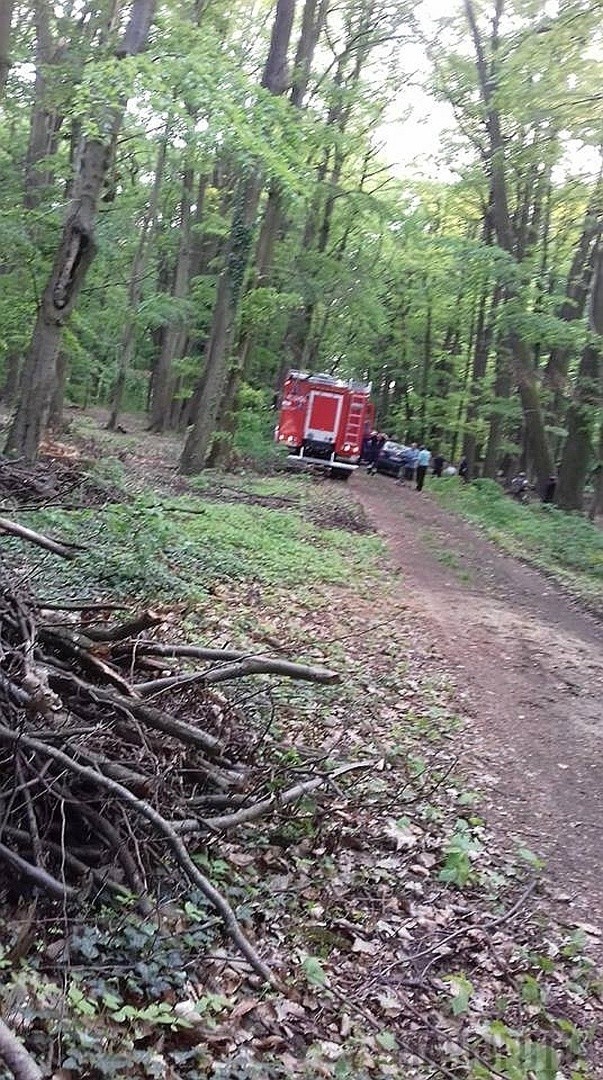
x,y
323,420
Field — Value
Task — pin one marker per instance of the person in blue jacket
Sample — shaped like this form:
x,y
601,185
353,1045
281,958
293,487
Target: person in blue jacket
x,y
423,459
409,462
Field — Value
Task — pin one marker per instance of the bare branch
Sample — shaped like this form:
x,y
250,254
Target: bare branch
x,y
16,1057
64,550
174,842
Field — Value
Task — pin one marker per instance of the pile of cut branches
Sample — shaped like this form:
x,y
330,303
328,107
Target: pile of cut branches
x,y
59,478
116,764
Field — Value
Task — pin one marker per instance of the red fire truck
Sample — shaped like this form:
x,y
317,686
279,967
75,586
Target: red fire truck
x,y
323,420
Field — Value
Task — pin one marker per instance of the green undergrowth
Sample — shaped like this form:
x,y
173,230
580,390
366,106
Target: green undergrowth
x,y
380,900
563,544
181,547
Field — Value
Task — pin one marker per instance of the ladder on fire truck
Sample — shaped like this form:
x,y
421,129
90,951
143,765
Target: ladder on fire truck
x,y
353,429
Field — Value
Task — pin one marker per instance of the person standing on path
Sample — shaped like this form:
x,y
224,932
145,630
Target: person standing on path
x,y
438,465
423,459
410,461
372,451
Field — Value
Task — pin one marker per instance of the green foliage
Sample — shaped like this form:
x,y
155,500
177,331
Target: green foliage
x,y
461,990
255,424
459,855
314,971
565,544
517,1056
138,549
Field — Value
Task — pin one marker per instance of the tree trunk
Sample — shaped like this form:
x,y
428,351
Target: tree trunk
x,y
12,379
6,16
540,456
502,392
45,123
73,258
425,372
582,412
57,402
224,316
273,220
483,343
596,507
576,289
174,334
581,421
128,339
525,375
230,283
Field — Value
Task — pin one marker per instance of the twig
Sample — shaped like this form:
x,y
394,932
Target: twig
x,y
121,852
194,652
31,814
154,718
349,1002
120,631
277,667
277,800
62,549
251,665
100,877
40,877
16,1057
162,826
65,643
92,605
490,924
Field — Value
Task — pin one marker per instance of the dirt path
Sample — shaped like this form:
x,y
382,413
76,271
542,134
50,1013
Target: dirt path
x,y
530,666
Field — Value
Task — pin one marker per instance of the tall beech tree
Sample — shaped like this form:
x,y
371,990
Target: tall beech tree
x,y
586,400
510,240
6,15
238,255
74,255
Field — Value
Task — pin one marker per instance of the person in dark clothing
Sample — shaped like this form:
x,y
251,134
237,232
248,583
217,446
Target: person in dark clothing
x,y
464,469
372,452
438,464
549,489
365,456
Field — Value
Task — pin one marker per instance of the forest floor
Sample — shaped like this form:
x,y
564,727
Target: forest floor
x,y
530,664
405,909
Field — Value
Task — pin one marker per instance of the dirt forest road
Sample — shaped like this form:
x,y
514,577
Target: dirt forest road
x,y
529,664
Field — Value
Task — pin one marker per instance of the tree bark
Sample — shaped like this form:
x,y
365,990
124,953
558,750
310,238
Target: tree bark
x,y
581,420
502,393
57,402
15,1056
174,334
230,283
484,333
425,370
273,221
12,377
45,122
525,375
6,17
576,290
582,412
74,256
596,507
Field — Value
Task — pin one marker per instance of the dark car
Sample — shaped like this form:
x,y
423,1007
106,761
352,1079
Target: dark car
x,y
390,458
